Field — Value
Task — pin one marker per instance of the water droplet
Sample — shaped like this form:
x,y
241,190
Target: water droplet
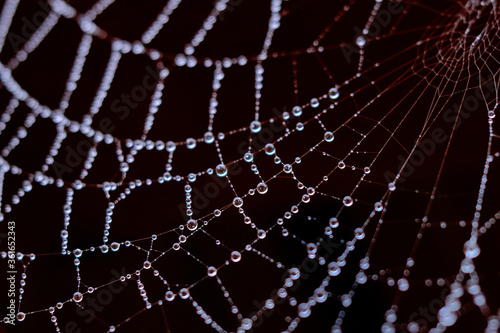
x,y
359,233
184,293
336,329
378,206
294,273
403,284
235,256
297,111
413,327
191,143
242,60
314,102
361,278
21,316
347,201
255,126
329,136
334,223
360,41
364,263
328,231
180,59
115,246
248,157
209,137
269,149
312,248
320,295
77,253
221,170
388,328
333,269
304,310
262,188
170,146
333,93
238,202
261,234
246,324
471,249
211,271
346,300
390,316
341,165
192,224
77,297
169,295
269,303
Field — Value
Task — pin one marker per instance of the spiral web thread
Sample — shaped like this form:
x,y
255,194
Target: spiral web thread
x,y
455,55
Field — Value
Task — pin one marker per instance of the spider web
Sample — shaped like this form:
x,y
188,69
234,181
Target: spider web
x,y
239,166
